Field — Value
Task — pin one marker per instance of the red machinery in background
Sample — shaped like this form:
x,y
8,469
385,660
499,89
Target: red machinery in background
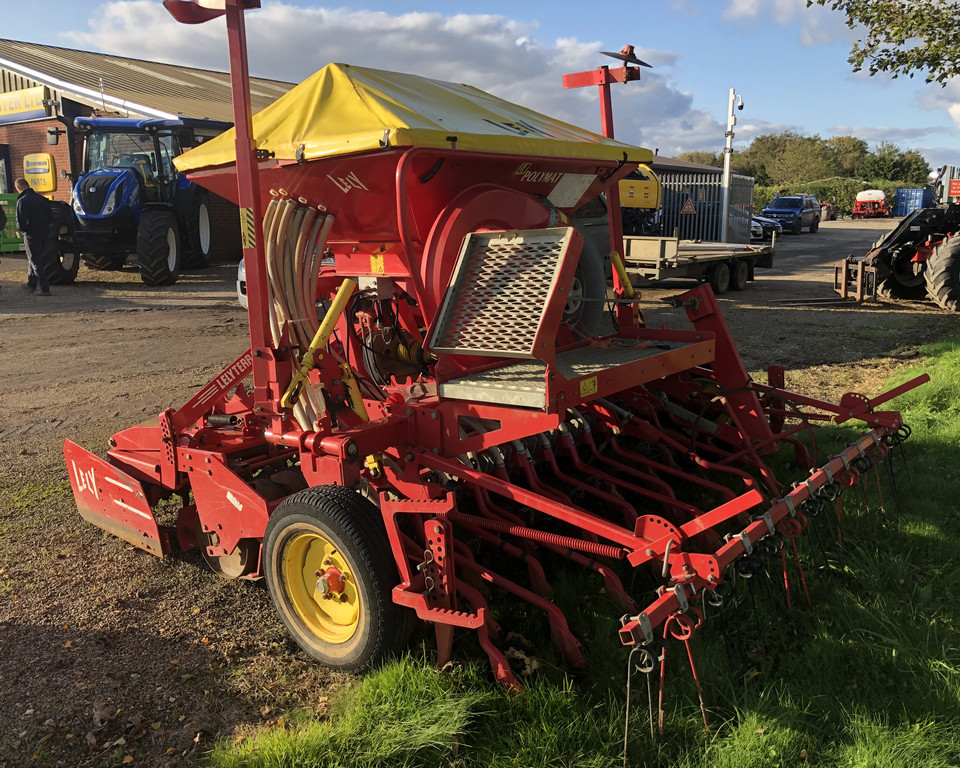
x,y
439,413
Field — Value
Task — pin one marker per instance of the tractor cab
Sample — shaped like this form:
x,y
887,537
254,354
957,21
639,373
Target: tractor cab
x,y
130,198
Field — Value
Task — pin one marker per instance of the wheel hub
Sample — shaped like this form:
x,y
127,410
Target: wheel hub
x,y
321,588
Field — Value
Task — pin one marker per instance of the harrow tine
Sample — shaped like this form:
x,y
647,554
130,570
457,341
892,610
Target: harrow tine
x,y
892,479
747,568
646,664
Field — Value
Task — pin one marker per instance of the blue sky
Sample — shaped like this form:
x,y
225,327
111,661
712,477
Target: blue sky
x,y
788,62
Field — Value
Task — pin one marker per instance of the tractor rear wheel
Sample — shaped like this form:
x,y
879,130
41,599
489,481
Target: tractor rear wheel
x,y
198,239
158,247
330,572
105,261
943,274
740,275
719,278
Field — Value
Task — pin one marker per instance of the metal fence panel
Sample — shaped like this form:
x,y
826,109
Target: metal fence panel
x,y
693,204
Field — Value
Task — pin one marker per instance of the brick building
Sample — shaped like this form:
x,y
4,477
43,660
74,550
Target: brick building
x,y
43,88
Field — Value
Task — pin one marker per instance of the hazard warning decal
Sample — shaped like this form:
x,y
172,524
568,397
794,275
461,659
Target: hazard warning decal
x,y
688,207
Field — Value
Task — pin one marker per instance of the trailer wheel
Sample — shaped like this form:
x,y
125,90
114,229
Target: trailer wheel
x,y
330,571
158,247
740,275
198,238
584,308
719,278
104,261
943,274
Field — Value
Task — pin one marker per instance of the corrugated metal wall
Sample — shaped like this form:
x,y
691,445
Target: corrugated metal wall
x,y
704,191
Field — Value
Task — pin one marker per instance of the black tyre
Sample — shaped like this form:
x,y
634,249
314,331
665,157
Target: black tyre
x,y
585,302
943,274
198,237
105,261
158,247
815,226
60,260
739,275
719,278
312,539
904,281
797,227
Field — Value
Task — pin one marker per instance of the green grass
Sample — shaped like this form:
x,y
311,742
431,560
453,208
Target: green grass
x,y
873,682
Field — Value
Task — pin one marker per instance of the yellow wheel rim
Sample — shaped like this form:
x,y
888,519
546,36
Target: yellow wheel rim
x,y
332,617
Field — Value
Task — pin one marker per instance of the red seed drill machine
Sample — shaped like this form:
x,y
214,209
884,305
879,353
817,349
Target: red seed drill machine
x,y
440,416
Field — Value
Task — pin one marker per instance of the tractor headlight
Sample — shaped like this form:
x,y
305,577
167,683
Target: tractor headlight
x,y
111,203
75,202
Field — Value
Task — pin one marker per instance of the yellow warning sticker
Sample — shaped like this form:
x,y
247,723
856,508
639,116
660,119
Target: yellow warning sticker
x,y
376,264
588,386
248,229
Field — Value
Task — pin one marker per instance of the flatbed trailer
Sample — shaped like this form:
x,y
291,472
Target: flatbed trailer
x,y
725,266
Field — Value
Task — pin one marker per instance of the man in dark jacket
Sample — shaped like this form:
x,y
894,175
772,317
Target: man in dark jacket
x,y
33,219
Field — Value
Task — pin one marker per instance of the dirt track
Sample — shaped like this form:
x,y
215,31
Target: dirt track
x,y
100,642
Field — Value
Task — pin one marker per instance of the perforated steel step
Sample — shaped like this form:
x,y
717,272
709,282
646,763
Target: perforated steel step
x,y
499,292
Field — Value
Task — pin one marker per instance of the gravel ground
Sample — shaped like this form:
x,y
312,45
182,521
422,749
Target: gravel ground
x,y
109,656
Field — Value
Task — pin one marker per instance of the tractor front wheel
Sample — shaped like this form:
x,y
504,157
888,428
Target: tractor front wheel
x,y
943,274
61,261
330,572
158,247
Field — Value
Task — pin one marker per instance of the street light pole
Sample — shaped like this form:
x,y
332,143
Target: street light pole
x,y
737,100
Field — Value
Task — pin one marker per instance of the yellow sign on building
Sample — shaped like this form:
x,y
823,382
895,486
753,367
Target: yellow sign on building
x,y
40,171
25,104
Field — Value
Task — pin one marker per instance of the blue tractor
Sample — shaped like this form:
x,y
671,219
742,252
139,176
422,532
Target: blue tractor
x,y
131,199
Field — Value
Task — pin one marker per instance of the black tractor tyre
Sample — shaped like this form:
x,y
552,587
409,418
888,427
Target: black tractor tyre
x,y
105,261
60,260
585,301
719,278
739,275
943,274
313,532
198,234
158,247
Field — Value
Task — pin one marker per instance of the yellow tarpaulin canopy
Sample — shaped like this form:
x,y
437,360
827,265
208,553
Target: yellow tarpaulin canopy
x,y
344,109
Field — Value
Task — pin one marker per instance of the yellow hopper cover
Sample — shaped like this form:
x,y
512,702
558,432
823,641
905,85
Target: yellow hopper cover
x,y
344,109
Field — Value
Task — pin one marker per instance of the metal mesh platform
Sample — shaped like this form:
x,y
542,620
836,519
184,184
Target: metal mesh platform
x,y
499,292
523,383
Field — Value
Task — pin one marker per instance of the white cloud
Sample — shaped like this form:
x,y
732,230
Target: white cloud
x,y
506,57
816,26
495,53
943,98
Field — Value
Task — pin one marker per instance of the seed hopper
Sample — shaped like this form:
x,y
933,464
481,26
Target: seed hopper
x,y
444,410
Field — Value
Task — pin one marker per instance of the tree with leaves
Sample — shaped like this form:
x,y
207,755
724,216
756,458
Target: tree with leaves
x,y
903,37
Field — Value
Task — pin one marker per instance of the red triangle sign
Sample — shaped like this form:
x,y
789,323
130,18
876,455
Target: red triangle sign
x,y
688,207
